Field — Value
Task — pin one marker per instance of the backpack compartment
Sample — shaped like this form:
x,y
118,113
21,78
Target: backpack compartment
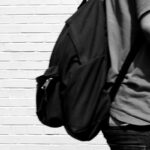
x,y
48,107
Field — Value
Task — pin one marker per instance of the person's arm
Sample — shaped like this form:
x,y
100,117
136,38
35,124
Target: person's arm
x,y
145,25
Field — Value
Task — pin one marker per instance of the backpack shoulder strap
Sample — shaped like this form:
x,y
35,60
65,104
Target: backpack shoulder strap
x,y
82,3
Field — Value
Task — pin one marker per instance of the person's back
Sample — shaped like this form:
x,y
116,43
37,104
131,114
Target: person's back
x,y
131,107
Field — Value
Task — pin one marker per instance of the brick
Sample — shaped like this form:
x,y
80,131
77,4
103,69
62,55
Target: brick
x,y
48,139
75,2
24,65
19,120
49,9
28,37
17,111
29,2
52,147
12,83
25,56
30,130
31,28
33,19
20,74
18,102
27,47
17,93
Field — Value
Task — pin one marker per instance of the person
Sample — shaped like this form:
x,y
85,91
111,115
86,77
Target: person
x,y
129,122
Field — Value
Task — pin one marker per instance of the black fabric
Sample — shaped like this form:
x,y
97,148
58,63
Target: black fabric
x,y
71,92
81,89
82,3
74,80
128,137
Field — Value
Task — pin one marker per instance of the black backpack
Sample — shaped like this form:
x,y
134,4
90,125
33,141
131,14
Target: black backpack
x,y
71,92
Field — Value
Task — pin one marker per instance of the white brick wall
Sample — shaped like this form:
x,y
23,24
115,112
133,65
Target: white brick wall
x,y
28,31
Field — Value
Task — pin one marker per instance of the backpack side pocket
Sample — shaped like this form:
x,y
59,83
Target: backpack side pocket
x,y
48,102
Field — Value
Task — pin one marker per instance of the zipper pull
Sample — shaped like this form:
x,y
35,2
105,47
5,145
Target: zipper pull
x,y
45,85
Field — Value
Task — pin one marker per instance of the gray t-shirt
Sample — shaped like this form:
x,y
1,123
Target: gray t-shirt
x,y
132,102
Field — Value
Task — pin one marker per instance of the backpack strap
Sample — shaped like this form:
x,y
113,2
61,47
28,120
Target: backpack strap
x,y
82,3
134,50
